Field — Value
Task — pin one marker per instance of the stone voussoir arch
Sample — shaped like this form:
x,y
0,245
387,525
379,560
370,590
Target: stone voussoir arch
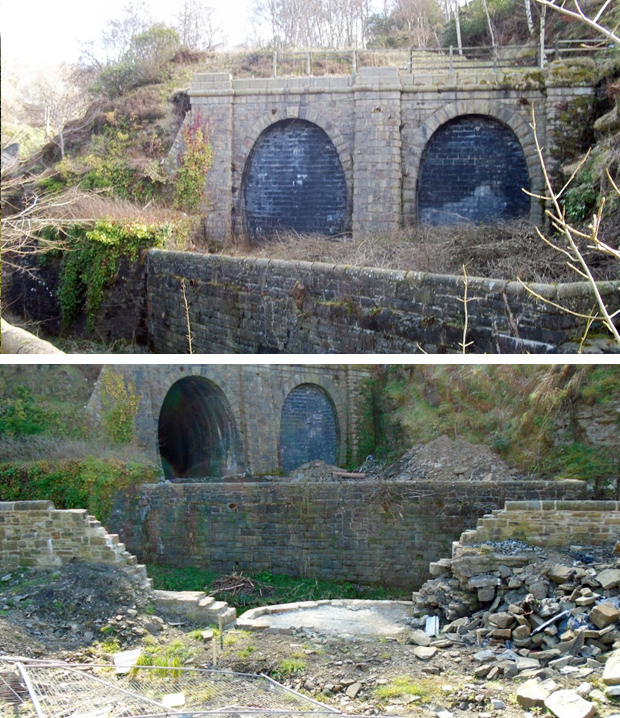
x,y
333,394
177,373
486,108
309,115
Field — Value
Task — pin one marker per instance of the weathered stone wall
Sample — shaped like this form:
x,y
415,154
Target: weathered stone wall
x,y
239,305
35,534
255,395
121,316
549,523
379,120
369,532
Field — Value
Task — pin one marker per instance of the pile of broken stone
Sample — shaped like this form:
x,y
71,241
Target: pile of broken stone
x,y
533,615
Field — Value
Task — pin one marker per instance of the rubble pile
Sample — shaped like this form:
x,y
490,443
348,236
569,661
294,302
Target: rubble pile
x,y
532,614
446,459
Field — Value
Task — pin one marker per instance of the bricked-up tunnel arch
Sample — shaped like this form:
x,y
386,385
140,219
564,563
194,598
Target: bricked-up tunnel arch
x,y
196,431
309,427
293,180
473,170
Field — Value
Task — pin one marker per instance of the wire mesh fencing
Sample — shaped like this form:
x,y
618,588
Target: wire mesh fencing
x,y
56,690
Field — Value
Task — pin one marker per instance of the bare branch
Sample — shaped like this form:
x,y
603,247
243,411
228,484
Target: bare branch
x,y
580,15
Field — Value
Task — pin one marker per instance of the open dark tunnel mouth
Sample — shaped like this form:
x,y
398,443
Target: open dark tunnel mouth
x,y
197,433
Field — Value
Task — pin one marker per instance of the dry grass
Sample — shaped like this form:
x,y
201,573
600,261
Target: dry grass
x,y
505,251
42,447
74,205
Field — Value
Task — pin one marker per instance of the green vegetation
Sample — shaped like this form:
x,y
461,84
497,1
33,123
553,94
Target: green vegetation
x,y
20,414
92,258
403,686
90,483
523,412
120,405
173,655
269,589
194,163
146,61
289,667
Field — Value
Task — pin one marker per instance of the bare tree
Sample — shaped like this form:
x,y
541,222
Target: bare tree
x,y
116,39
57,99
336,24
529,17
196,25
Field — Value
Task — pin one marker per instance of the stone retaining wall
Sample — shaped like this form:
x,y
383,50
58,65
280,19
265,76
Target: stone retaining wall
x,y
367,532
548,523
35,534
243,305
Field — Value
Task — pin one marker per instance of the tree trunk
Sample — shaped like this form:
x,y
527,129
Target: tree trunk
x,y
528,15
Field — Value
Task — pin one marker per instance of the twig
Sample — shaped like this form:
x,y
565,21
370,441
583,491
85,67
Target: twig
x,y
464,344
189,329
575,255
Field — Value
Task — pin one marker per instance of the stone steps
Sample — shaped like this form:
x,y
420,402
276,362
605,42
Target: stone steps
x,y
195,606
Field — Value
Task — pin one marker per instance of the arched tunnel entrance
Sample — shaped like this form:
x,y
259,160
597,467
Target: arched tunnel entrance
x,y
473,170
308,428
294,180
196,431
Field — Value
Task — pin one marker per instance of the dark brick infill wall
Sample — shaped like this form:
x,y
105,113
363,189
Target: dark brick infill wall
x,y
370,532
245,305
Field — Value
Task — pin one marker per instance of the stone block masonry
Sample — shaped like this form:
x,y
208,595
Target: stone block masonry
x,y
366,532
34,534
243,305
380,123
550,523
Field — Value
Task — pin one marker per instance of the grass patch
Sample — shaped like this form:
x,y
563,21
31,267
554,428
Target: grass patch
x,y
289,667
269,589
403,686
172,655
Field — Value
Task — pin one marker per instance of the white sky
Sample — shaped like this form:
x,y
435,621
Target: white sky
x,y
40,32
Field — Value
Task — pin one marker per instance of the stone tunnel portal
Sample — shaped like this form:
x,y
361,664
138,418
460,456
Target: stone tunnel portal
x,y
196,431
294,180
473,170
309,428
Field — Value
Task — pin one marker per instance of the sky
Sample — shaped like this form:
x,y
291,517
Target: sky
x,y
40,32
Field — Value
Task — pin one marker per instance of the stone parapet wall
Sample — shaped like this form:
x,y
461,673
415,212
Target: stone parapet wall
x,y
36,534
360,531
549,523
244,305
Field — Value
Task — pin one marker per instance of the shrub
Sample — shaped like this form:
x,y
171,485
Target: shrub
x,y
194,162
120,403
87,484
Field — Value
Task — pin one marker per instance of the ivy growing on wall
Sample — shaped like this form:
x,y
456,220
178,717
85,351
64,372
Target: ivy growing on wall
x,y
92,258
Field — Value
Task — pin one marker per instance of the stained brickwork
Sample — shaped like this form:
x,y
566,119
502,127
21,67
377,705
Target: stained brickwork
x,y
260,305
474,170
351,531
294,181
308,429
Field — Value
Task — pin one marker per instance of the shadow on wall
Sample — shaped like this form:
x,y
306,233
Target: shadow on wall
x,y
197,433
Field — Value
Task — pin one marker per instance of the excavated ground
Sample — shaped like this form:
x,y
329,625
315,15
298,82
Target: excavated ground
x,y
84,614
